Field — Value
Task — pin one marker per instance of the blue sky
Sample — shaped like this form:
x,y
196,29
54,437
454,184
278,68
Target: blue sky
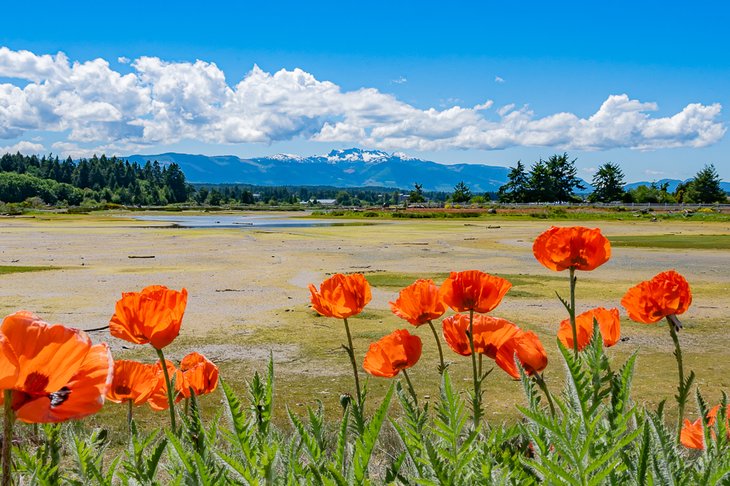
x,y
646,86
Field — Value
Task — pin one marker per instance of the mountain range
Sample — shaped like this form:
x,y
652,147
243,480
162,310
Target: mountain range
x,y
340,168
352,167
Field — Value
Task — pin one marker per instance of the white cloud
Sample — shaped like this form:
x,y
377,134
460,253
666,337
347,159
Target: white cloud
x,y
498,80
24,147
400,80
92,105
123,60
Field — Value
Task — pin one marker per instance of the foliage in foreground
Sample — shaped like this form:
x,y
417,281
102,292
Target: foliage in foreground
x,y
589,433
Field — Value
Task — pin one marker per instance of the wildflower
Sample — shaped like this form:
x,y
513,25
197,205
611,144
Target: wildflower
x,y
490,333
197,373
473,290
341,296
580,248
608,323
692,435
666,294
159,400
133,381
153,316
529,351
419,303
61,374
391,354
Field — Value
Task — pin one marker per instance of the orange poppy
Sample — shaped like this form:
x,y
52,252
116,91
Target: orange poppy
x,y
578,247
153,315
490,334
397,351
341,296
529,351
133,381
61,374
664,295
473,290
158,399
196,372
692,435
419,303
609,325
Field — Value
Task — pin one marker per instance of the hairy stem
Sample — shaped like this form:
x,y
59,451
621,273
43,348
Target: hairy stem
x,y
681,396
442,366
129,416
351,351
543,386
477,381
8,438
571,311
170,399
410,387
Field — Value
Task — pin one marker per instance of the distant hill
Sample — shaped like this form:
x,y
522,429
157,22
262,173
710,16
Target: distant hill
x,y
673,183
340,168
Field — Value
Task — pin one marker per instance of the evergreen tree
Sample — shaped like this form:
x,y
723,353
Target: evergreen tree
x,y
564,178
540,183
416,195
461,194
517,187
608,184
705,187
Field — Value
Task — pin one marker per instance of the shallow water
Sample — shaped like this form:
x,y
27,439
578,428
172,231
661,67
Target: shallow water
x,y
233,221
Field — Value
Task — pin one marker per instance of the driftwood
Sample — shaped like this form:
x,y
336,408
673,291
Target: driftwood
x,y
140,256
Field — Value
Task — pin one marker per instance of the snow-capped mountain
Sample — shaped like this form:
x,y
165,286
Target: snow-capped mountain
x,y
352,167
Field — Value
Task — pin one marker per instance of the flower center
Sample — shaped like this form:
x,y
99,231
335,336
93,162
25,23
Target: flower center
x,y
35,383
122,390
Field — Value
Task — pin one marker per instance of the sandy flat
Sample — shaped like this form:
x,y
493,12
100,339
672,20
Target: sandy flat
x,y
240,280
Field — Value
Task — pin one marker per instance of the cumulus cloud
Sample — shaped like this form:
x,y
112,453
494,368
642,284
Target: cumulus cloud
x,y
24,147
90,104
498,80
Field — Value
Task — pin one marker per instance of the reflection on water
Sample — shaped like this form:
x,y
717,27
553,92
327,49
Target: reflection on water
x,y
243,222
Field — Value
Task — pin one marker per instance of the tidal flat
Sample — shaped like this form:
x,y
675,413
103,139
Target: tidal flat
x,y
248,296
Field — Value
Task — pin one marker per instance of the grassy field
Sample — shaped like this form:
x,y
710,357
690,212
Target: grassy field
x,y
248,296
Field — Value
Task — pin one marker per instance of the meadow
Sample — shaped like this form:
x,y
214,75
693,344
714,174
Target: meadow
x,y
248,298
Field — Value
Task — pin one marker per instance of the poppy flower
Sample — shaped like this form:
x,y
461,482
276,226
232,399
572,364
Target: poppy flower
x,y
196,372
153,316
133,381
419,303
61,374
341,296
578,247
609,325
473,290
692,435
490,333
396,351
529,351
158,399
666,294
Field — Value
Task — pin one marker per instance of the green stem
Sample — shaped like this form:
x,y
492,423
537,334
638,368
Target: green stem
x,y
410,388
9,418
442,366
477,387
351,351
129,415
170,399
681,394
543,386
571,311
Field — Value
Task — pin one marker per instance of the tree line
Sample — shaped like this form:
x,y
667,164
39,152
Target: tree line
x,y
96,179
114,180
555,180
